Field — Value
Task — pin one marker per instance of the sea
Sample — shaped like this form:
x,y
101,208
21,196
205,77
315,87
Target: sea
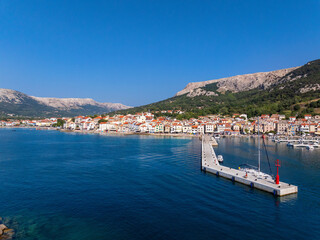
x,y
57,185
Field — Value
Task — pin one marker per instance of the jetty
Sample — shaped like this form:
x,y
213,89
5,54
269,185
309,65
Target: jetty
x,y
305,145
211,164
309,143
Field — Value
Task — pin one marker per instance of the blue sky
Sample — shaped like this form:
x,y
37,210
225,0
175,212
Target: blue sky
x,y
138,52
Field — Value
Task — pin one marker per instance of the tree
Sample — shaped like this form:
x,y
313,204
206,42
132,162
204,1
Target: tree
x,y
297,107
102,120
60,123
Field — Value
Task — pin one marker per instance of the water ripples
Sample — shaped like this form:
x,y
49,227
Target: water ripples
x,y
76,186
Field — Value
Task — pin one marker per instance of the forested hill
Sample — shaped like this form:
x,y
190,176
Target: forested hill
x,y
295,93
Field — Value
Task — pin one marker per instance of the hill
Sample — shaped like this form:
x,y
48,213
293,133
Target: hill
x,y
237,83
280,91
14,103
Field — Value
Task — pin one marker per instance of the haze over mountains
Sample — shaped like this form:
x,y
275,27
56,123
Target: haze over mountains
x,y
14,103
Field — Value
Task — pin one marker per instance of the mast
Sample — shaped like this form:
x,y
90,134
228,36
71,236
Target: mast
x,y
259,144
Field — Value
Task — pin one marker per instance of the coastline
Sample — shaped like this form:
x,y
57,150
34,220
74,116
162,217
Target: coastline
x,y
130,133
177,135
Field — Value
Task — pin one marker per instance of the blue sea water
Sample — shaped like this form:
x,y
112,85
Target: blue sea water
x,y
78,186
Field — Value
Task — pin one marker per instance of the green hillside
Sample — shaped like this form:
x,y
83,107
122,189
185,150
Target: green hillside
x,y
286,97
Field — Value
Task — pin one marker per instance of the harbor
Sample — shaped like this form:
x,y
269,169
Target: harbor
x,y
308,143
262,182
164,177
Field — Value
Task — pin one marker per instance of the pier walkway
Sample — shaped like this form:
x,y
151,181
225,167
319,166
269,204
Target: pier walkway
x,y
210,164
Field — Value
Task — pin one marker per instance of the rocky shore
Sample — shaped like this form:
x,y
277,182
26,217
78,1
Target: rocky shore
x,y
5,232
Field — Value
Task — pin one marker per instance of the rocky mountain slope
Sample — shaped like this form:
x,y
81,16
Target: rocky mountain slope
x,y
19,104
259,93
76,103
237,83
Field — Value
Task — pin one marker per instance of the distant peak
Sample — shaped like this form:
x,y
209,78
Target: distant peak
x,y
51,105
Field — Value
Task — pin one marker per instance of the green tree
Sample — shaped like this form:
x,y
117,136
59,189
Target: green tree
x,y
60,123
102,120
297,107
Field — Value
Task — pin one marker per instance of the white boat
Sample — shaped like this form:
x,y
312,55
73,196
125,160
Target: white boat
x,y
217,136
255,171
310,147
220,158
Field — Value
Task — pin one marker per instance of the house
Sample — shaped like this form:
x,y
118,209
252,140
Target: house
x,y
282,117
274,117
244,116
318,129
236,128
143,128
312,127
307,116
209,128
102,126
70,125
78,119
176,128
97,119
267,127
304,127
201,129
159,128
220,127
292,119
194,129
187,129
167,128
141,118
256,128
227,129
282,127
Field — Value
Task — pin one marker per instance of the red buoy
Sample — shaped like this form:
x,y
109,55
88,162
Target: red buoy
x,y
277,177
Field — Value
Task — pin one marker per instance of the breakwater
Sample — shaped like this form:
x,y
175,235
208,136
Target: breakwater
x,y
211,164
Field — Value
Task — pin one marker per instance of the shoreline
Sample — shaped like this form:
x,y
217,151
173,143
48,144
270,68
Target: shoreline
x,y
131,133
178,135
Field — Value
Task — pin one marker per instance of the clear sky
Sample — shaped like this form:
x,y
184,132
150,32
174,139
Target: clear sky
x,y
138,52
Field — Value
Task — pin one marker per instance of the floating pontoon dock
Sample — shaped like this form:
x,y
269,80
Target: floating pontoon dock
x,y
210,164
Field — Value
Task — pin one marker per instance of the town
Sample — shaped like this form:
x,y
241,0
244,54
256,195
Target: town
x,y
147,123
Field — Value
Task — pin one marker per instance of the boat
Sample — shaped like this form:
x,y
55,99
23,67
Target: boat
x,y
220,158
255,171
310,147
216,136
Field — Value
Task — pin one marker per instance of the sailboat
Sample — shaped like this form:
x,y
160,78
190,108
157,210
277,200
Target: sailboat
x,y
253,170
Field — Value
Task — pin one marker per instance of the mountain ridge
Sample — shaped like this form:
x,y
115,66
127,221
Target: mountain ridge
x,y
237,83
281,91
20,104
65,103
